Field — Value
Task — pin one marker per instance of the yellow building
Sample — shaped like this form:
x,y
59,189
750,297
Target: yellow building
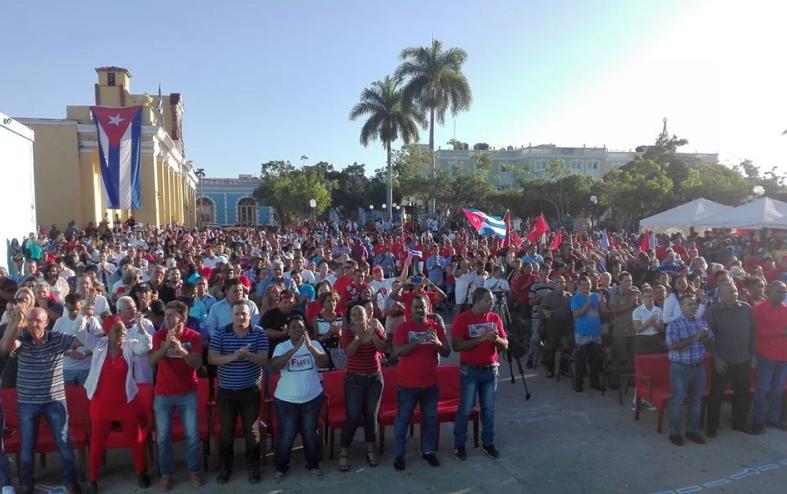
x,y
68,181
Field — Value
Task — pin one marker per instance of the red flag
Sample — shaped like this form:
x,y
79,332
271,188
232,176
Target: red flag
x,y
644,244
539,228
557,240
507,220
516,240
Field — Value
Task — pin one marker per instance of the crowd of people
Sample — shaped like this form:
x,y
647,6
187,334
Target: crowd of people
x,y
112,308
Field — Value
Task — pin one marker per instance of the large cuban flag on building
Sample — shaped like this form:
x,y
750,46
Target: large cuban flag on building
x,y
119,132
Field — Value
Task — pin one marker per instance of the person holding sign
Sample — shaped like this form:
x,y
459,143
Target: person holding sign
x,y
478,334
298,397
418,343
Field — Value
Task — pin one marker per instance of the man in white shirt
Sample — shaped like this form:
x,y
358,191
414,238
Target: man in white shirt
x,y
648,326
649,331
127,310
76,363
210,260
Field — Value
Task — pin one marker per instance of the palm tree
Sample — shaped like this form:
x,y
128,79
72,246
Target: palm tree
x,y
390,117
200,173
435,82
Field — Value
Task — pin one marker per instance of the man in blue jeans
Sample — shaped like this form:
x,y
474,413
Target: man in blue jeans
x,y
418,343
685,338
40,391
477,334
177,354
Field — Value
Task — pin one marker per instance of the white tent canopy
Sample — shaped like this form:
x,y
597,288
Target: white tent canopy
x,y
683,217
759,213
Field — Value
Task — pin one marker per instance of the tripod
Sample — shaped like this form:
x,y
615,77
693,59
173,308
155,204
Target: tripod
x,y
501,309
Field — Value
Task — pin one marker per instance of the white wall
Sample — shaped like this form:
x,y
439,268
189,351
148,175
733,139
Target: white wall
x,y
17,200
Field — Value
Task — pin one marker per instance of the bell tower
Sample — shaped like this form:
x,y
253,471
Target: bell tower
x,y
114,84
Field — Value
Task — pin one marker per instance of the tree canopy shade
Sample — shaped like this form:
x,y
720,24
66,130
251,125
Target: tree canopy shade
x,y
389,117
435,82
289,190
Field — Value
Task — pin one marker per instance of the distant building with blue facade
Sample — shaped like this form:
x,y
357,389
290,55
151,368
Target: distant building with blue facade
x,y
230,201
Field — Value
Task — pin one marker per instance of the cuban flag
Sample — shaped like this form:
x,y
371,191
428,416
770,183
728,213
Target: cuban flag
x,y
485,224
119,131
415,253
605,239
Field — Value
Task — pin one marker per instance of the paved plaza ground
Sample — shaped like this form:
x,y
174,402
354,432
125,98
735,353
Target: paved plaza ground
x,y
558,442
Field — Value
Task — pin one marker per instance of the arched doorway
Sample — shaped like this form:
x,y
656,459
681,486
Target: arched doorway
x,y
206,211
247,212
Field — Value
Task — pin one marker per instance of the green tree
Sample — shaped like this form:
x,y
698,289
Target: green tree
x,y
390,117
289,190
411,171
436,84
637,190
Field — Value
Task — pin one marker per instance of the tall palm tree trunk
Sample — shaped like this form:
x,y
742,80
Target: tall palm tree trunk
x,y
432,199
390,183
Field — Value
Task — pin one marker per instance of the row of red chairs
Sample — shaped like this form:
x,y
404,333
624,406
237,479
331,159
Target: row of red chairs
x,y
332,418
652,379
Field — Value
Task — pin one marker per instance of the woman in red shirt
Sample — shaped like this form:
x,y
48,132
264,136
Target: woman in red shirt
x,y
363,341
112,389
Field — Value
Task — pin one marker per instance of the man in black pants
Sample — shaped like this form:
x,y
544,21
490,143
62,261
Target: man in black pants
x,y
240,350
732,323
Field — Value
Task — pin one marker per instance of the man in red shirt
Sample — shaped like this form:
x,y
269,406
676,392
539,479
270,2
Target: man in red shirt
x,y
418,343
177,354
770,325
477,334
417,285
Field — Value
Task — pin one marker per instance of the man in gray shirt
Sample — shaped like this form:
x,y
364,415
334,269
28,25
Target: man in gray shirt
x,y
732,323
40,391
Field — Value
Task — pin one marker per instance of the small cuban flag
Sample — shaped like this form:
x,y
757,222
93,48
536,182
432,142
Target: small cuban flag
x,y
415,253
119,138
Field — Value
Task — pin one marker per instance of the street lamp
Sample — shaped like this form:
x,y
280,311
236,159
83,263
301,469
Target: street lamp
x,y
312,204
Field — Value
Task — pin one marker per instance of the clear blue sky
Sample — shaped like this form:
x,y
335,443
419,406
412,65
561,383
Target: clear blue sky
x,y
276,80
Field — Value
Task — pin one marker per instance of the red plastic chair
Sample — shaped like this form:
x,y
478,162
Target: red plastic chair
x,y
77,406
333,386
653,383
388,403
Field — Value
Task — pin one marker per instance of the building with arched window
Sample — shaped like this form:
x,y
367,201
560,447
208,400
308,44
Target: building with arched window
x,y
230,201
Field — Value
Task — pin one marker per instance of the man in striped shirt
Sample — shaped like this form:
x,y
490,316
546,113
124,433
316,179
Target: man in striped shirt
x,y
40,390
240,350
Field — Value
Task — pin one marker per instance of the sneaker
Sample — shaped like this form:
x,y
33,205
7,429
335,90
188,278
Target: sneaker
x,y
399,463
92,488
711,433
432,459
492,452
460,454
781,426
695,437
197,479
676,439
755,430
166,483
7,490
